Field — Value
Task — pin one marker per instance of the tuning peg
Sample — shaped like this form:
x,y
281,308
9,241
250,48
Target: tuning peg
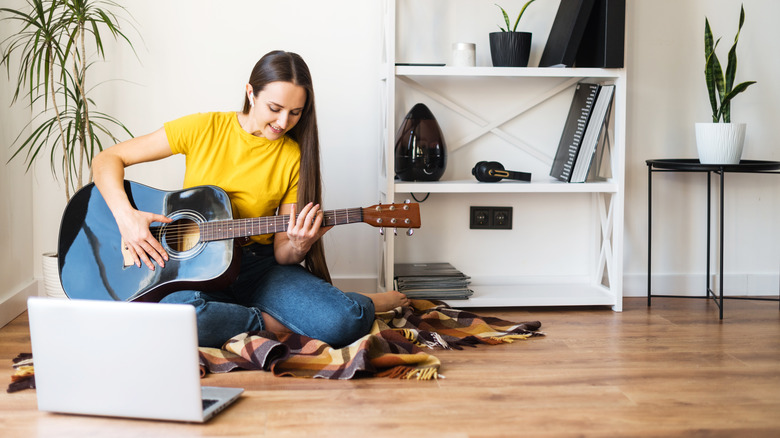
x,y
395,231
409,232
407,201
381,231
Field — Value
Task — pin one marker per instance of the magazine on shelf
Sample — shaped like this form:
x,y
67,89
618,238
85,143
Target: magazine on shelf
x,y
432,281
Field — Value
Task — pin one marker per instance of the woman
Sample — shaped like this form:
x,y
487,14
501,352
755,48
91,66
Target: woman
x,y
267,159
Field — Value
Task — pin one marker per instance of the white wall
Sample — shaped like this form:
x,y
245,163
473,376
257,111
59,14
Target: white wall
x,y
197,54
666,97
16,206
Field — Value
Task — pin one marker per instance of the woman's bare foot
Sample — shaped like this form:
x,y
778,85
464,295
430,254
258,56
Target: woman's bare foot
x,y
389,300
273,325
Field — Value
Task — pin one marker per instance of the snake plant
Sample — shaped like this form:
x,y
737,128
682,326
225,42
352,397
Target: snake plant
x,y
720,87
506,17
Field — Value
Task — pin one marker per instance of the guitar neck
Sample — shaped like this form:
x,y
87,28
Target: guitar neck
x,y
237,228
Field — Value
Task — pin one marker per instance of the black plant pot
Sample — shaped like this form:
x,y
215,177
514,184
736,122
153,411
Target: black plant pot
x,y
420,152
510,49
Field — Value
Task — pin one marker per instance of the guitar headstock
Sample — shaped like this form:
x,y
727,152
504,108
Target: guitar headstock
x,y
405,215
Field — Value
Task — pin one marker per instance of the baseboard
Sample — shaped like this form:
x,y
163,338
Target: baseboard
x,y
16,302
635,285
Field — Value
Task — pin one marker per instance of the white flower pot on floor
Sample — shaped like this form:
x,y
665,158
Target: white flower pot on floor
x,y
51,276
720,143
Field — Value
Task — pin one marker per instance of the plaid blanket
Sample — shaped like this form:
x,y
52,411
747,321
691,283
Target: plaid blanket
x,y
393,348
24,375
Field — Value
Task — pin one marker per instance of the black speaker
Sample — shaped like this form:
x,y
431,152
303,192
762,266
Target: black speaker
x,y
420,151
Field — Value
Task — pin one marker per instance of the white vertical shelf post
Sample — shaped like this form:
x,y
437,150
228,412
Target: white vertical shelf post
x,y
387,175
619,175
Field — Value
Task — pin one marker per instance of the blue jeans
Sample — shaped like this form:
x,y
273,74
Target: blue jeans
x,y
304,303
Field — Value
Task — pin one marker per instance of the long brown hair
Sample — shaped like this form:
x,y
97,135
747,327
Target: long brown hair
x,y
280,66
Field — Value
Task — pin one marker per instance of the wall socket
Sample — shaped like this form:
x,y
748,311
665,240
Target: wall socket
x,y
490,218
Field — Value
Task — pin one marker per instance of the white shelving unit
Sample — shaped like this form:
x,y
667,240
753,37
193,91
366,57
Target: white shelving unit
x,y
601,282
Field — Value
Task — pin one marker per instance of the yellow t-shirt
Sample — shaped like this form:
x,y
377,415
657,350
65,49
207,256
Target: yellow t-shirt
x,y
258,174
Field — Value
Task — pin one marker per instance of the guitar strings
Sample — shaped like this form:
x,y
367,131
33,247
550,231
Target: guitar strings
x,y
268,222
182,230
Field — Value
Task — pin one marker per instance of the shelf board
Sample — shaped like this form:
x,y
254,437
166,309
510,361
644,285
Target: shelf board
x,y
544,72
545,185
538,295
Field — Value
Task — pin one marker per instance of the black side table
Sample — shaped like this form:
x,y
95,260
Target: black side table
x,y
693,165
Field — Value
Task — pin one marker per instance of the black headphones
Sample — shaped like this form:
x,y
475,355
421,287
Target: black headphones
x,y
493,171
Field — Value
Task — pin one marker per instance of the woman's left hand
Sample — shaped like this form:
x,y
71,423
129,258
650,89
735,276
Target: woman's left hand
x,y
305,228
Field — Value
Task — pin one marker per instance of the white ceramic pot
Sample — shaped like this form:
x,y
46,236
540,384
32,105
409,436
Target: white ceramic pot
x,y
720,143
51,276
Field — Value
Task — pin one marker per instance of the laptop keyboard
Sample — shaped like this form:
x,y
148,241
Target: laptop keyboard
x,y
207,402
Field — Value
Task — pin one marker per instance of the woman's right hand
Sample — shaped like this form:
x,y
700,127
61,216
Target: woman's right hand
x,y
137,238
108,169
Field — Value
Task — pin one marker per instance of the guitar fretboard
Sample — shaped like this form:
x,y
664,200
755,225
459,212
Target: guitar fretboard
x,y
235,228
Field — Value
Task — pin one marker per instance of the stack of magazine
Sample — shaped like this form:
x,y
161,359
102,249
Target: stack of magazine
x,y
440,281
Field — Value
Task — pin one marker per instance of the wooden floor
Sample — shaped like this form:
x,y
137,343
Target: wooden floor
x,y
670,370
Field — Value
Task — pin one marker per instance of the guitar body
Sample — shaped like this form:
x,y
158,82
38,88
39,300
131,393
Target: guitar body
x,y
200,241
92,262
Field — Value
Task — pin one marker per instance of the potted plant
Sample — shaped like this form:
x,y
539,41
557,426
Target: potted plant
x,y
54,47
510,48
721,141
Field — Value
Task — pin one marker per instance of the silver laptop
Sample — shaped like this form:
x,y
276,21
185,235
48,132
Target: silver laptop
x,y
120,359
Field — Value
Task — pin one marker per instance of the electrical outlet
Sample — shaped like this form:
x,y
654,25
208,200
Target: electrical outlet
x,y
502,218
490,218
480,218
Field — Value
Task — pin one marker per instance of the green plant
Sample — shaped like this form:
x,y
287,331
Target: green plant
x,y
721,89
506,17
57,43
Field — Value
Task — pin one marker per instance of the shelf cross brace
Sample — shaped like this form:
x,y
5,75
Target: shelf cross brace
x,y
494,126
605,207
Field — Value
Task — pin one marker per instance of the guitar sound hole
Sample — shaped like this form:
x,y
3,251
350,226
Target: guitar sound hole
x,y
182,235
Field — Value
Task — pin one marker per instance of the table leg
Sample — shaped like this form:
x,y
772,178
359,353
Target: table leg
x,y
649,227
707,286
720,280
710,284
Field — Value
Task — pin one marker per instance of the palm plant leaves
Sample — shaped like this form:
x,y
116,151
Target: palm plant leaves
x,y
52,51
45,131
86,16
38,44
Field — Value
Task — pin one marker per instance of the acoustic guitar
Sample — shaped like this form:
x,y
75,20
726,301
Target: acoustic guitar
x,y
202,241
